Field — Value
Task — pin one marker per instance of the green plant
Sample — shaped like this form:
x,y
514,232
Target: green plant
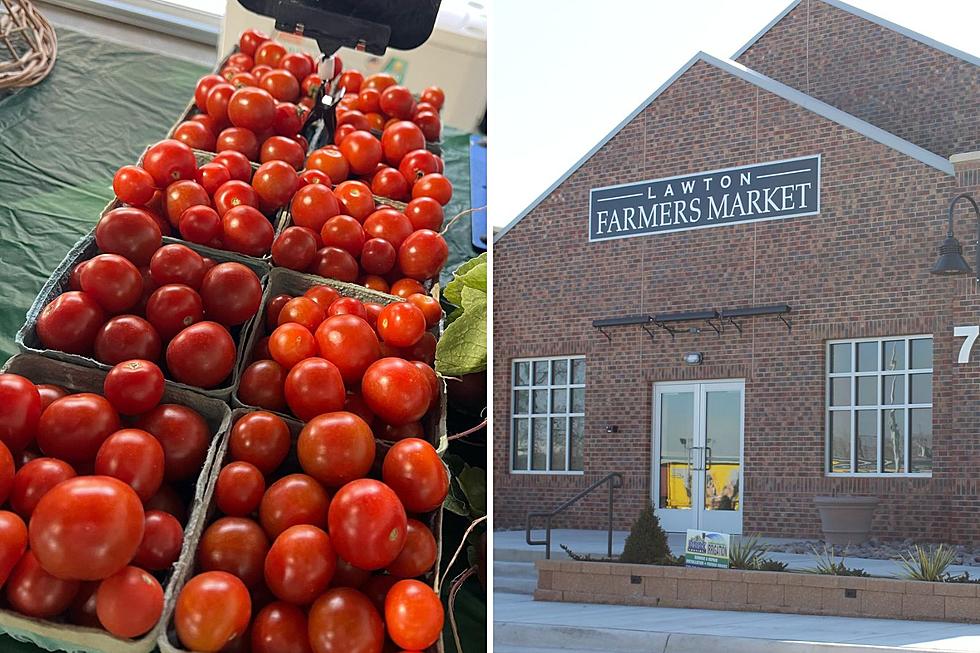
x,y
647,541
768,564
747,552
921,563
585,557
828,564
961,578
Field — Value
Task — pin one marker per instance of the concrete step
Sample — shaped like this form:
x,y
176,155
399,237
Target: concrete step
x,y
514,585
520,569
505,648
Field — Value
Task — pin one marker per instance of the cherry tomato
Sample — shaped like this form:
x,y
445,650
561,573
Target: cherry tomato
x,y
424,350
74,427
281,84
251,108
347,575
212,609
374,282
276,181
355,199
32,482
362,151
388,182
172,308
378,256
313,205
435,186
367,524
242,80
395,391
163,537
250,40
418,163
400,138
211,176
247,231
429,123
434,96
294,248
112,281
336,448
413,615
184,435
233,194
236,163
397,101
177,264
133,185
369,100
234,545
128,232
34,592
423,254
238,139
348,342
298,65
200,224
13,542
195,134
169,161
272,310
429,306
134,457
280,627
204,86
396,433
347,306
291,343
335,263
354,118
343,621
81,612
405,288
300,564
126,337
401,324
419,554
304,311
167,500
288,119
231,293
388,224
201,355
183,194
433,380
322,295
425,213
21,412
134,387
311,85
261,385
313,387
376,589
293,500
239,489
351,80
413,469
330,162
282,148
129,603
260,439
86,528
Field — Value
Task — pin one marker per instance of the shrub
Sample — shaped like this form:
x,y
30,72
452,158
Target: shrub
x,y
747,552
927,564
827,563
768,564
647,541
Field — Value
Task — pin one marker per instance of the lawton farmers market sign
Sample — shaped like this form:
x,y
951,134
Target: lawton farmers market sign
x,y
707,549
766,191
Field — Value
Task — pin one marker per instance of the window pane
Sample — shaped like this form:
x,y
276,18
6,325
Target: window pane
x,y
893,355
867,354
522,372
540,401
920,387
520,444
559,372
578,370
921,455
558,439
867,441
867,391
578,443
520,402
578,400
840,441
921,354
893,440
840,392
840,357
893,389
559,400
539,443
541,373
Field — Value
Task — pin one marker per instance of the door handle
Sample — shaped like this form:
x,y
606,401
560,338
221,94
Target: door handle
x,y
707,458
690,459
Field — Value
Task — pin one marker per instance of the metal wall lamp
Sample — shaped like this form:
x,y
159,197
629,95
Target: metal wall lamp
x,y
951,261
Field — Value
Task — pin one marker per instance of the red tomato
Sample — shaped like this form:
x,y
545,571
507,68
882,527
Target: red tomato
x,y
347,306
201,355
217,101
413,614
413,469
32,482
362,151
240,60
434,96
172,308
112,281
126,337
429,123
395,391
241,80
211,176
272,310
294,248
250,40
233,194
347,575
13,542
343,621
183,194
435,186
351,80
177,264
237,164
400,138
238,139
405,288
163,537
371,313
330,162
21,411
34,592
133,185
425,213
239,489
300,564
397,101
167,500
281,84
184,435
388,224
81,612
204,86
396,433
354,118
247,231
129,603
293,500
74,427
336,448
251,108
367,524
194,134
374,282
433,380
288,119
282,148
424,350
322,295
234,545
304,311
401,324
276,181
260,439
134,387
419,553
310,85
429,306
418,163
128,232
298,65
388,182
261,385
200,224
212,609
280,627
313,205
348,342
335,263
355,198
134,457
378,256
369,100
423,254
169,161
86,528
376,589
231,293
291,343
313,387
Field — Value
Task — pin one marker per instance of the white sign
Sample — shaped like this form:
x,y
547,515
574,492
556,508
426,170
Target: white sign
x,y
970,333
707,549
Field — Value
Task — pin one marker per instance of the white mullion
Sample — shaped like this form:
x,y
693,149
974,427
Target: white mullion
x,y
880,359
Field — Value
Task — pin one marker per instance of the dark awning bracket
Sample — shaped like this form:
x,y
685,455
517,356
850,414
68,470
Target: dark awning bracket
x,y
601,325
714,319
734,315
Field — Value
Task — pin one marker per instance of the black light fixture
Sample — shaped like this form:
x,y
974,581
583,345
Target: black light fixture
x,y
951,259
693,358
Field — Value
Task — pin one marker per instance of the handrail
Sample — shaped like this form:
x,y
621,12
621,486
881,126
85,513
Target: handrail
x,y
615,480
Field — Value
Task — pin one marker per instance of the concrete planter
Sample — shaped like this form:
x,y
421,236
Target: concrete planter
x,y
755,591
846,519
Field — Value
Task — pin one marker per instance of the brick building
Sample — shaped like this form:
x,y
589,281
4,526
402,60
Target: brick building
x,y
772,332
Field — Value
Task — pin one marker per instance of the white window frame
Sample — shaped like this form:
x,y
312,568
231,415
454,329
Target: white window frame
x,y
907,406
548,416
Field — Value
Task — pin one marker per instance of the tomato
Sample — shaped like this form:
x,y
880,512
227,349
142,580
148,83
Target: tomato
x,y
86,528
388,224
418,163
281,148
204,86
311,85
200,224
231,292
238,139
134,387
369,100
423,254
395,391
133,185
336,448
169,161
13,542
388,182
112,281
300,564
261,351
435,186
313,387
163,537
354,118
434,96
313,205
183,194
304,311
48,393
294,248
195,134
397,101
374,282
288,119
239,489
211,176
322,295
291,343
362,151
172,308
430,376
419,554
342,132
413,614
405,288
429,306
280,627
298,65
272,310
234,545
400,138
281,84
371,313
425,213
351,81
429,123
347,306
261,385
34,592
177,264
293,500
21,403
81,612
217,101
276,181
335,263
251,108
233,194
260,439
348,342
413,469
201,355
184,435
211,610
134,457
74,427
236,163
367,524
167,500
330,162
250,40
247,231
129,603
401,324
343,621
396,433
33,480
378,256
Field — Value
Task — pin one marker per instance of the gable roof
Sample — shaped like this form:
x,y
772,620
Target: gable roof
x,y
877,20
777,88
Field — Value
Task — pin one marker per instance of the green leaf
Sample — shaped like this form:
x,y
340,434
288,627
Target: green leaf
x,y
473,481
474,298
455,463
463,346
452,504
452,316
463,277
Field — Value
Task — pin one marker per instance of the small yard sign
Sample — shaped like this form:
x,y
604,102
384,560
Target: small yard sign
x,y
707,549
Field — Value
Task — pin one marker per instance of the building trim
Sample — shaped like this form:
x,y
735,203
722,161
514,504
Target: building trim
x,y
767,83
762,32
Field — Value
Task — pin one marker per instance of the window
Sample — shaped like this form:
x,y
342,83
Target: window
x,y
879,406
548,415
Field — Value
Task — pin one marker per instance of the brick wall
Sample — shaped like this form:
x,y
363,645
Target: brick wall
x,y
905,87
858,269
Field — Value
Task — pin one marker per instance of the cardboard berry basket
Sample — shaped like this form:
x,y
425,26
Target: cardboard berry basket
x,y
51,635
168,640
28,341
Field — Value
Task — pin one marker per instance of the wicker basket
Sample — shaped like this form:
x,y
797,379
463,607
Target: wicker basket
x,y
28,45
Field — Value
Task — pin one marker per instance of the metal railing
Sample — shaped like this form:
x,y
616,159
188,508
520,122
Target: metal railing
x,y
615,480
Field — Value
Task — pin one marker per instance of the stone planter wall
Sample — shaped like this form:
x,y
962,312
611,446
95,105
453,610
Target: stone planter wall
x,y
757,591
